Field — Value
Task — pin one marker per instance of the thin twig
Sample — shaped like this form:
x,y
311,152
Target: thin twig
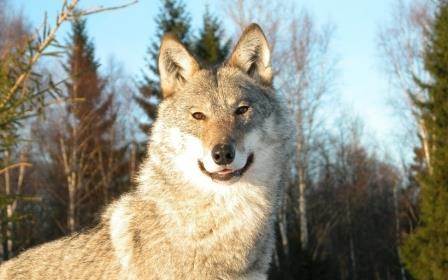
x,y
104,9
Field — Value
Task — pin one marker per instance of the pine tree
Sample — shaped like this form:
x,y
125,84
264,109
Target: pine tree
x,y
86,87
172,18
425,251
209,47
87,146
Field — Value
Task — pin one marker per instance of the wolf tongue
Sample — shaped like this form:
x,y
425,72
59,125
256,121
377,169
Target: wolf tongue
x,y
225,171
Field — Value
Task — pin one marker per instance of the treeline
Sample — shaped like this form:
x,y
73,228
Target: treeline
x,y
349,211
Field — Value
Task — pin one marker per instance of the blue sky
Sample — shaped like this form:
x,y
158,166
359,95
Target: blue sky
x,y
361,85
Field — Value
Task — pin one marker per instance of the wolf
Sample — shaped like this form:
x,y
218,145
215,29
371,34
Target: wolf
x,y
207,192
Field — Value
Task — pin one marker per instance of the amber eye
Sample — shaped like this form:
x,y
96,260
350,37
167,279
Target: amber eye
x,y
199,116
241,110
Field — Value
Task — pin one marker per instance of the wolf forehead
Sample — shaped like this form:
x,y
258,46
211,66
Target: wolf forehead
x,y
222,88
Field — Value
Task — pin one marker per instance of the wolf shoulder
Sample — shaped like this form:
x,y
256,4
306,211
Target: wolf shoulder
x,y
86,255
80,256
103,252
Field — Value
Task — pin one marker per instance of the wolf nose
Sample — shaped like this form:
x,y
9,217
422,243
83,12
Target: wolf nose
x,y
223,154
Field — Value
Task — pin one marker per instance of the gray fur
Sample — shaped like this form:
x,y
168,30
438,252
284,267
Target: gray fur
x,y
179,223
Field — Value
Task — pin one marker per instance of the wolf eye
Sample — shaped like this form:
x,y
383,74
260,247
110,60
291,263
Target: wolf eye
x,y
199,116
241,110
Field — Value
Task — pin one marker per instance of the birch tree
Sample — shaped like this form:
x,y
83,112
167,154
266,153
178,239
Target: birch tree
x,y
401,44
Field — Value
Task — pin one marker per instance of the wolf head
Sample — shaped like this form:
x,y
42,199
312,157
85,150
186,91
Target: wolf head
x,y
219,125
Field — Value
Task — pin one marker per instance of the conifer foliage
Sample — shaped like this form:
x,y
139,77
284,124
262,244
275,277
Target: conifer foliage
x,y
86,87
209,46
172,18
425,252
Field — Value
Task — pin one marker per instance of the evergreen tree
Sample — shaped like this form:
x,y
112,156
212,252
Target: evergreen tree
x,y
86,87
425,251
172,18
87,148
209,47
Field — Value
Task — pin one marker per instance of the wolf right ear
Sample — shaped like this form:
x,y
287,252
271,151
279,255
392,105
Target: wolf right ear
x,y
252,55
176,65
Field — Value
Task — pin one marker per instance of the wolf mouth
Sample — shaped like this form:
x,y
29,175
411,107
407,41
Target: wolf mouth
x,y
220,176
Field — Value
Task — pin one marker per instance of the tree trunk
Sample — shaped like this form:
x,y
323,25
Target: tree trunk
x,y
2,247
351,241
397,231
71,180
300,168
282,224
71,222
424,138
302,208
9,212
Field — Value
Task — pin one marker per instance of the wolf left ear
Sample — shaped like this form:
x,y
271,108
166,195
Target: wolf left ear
x,y
252,55
176,65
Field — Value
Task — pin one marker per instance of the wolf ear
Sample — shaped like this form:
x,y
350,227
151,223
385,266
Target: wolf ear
x,y
252,55
176,65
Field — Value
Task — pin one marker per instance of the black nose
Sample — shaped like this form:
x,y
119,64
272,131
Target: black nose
x,y
223,154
